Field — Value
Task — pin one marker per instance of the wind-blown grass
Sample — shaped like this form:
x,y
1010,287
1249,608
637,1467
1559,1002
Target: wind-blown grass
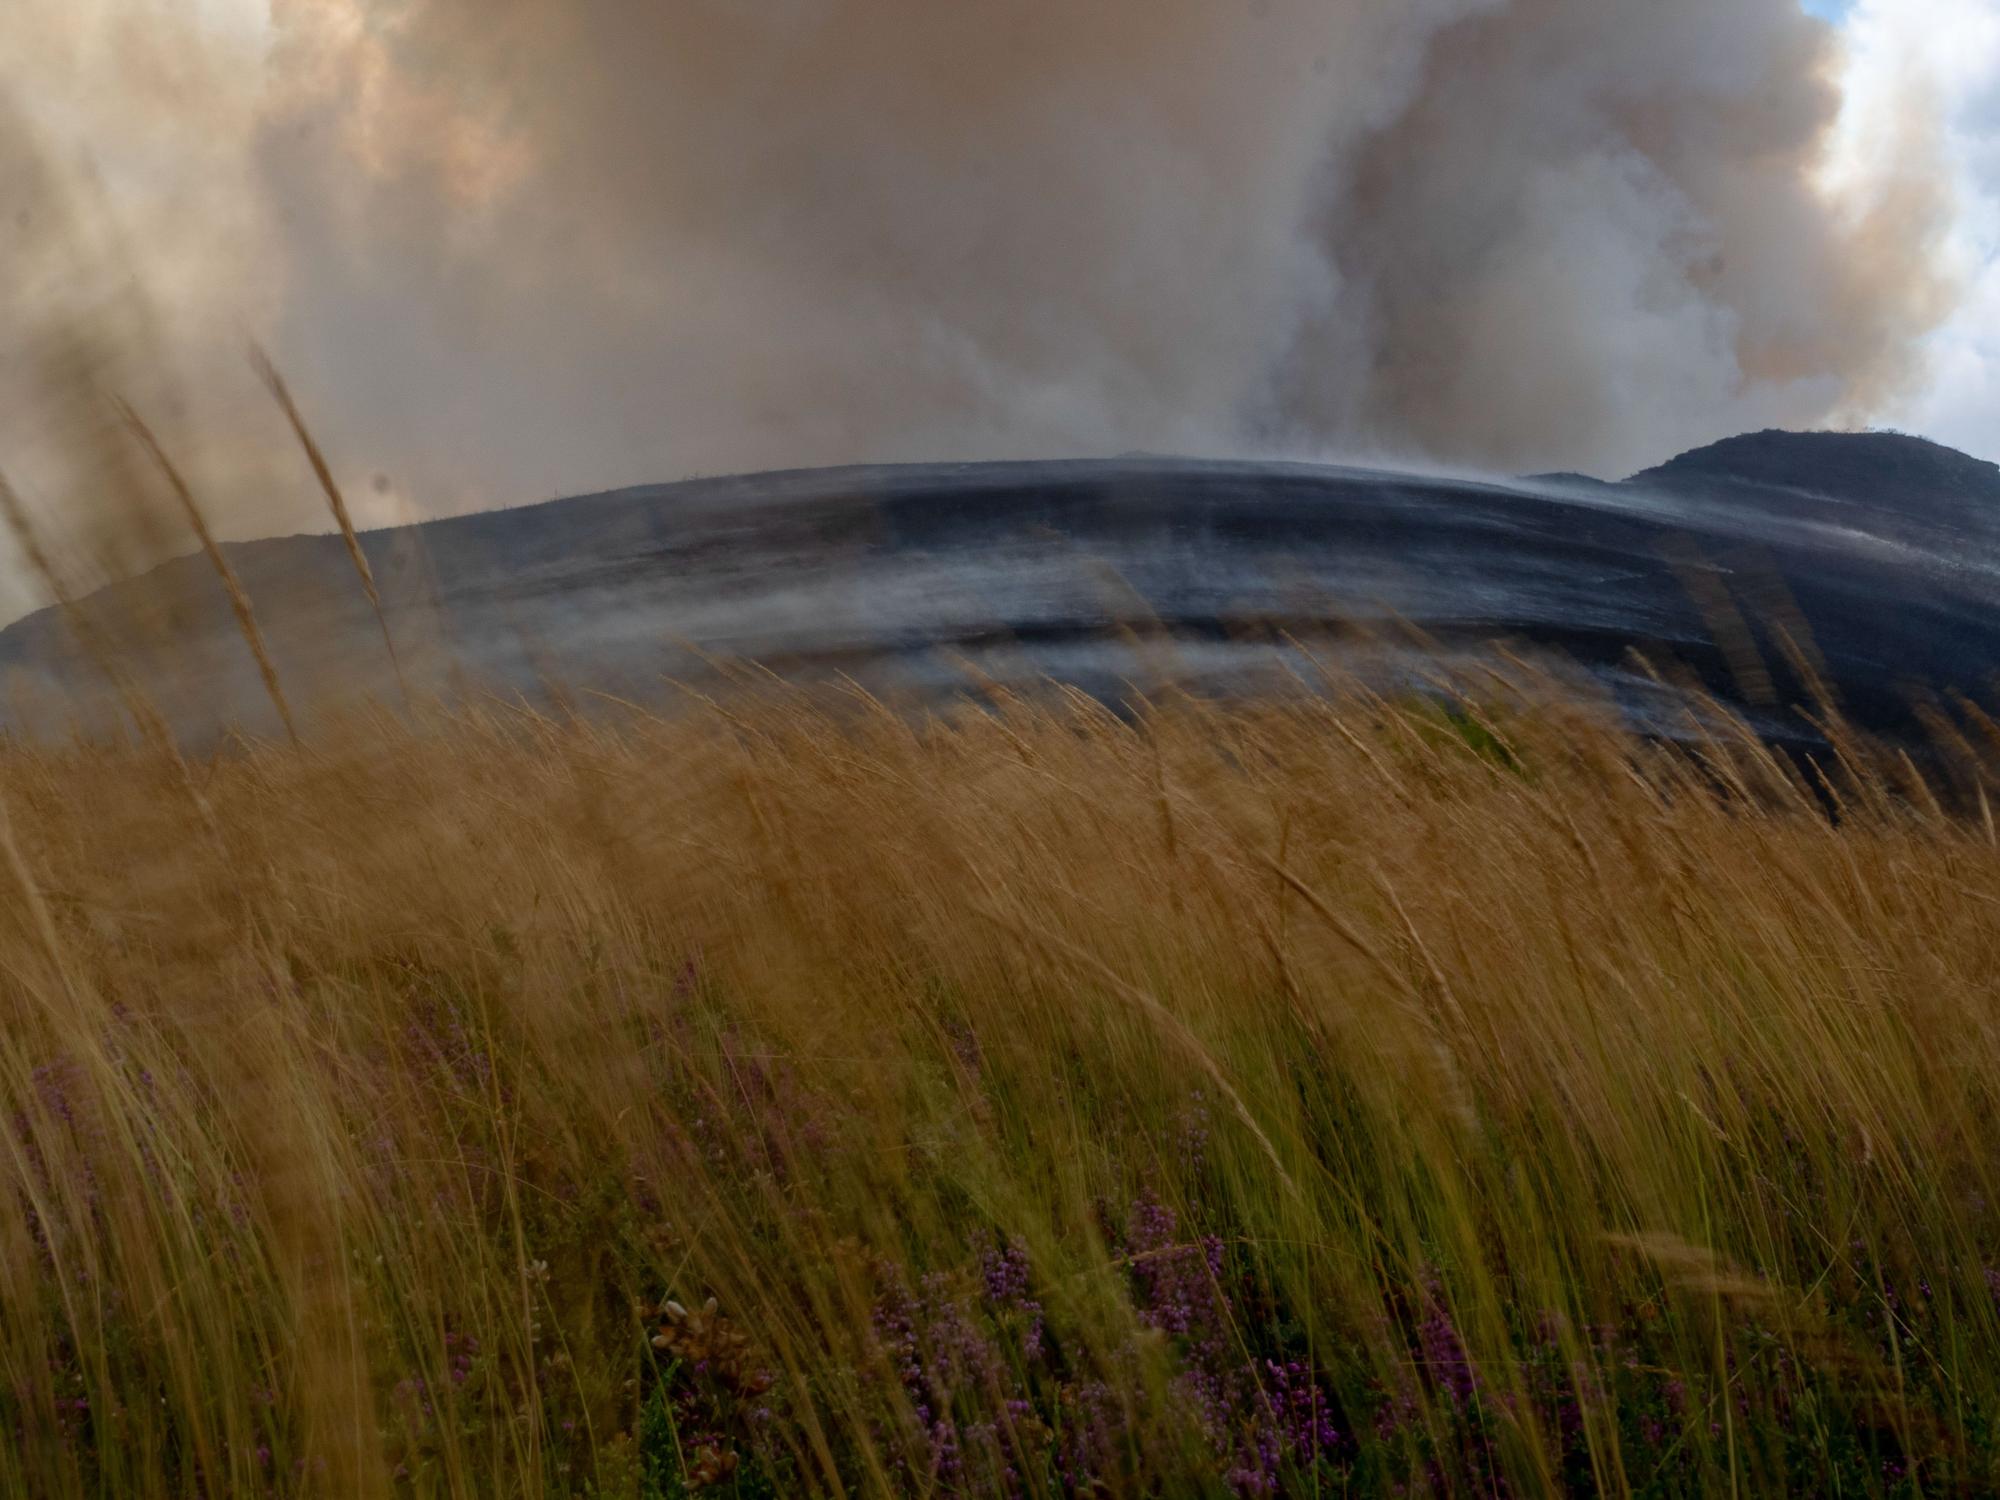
x,y
1331,1099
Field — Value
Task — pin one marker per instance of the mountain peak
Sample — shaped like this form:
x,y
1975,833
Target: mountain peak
x,y
1889,470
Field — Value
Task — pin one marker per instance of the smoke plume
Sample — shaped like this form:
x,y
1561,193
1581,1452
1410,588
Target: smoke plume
x,y
508,249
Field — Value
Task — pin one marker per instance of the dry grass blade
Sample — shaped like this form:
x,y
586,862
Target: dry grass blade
x,y
1695,1268
30,542
239,601
399,1149
274,382
82,625
1169,1023
28,538
29,891
1344,930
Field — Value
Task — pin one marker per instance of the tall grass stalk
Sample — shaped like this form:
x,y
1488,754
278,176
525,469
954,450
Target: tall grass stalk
x,y
1323,1099
239,601
274,382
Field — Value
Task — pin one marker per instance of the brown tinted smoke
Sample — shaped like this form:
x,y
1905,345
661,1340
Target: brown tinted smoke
x,y
511,248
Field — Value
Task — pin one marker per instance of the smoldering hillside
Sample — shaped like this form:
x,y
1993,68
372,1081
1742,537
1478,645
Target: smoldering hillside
x,y
506,250
1787,574
510,250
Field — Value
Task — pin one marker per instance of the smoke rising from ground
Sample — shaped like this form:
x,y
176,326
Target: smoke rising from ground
x,y
509,249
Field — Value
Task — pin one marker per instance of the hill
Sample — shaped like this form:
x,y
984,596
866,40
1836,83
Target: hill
x,y
1877,554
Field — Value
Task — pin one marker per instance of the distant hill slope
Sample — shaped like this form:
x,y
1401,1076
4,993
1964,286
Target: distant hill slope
x,y
1900,484
1879,553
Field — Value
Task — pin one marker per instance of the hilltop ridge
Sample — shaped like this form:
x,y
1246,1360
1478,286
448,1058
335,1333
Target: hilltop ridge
x,y
1888,547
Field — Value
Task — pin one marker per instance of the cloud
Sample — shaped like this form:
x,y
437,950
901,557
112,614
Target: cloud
x,y
1949,50
507,249
134,253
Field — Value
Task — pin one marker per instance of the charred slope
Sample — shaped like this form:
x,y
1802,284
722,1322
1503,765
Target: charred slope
x,y
1888,484
1877,556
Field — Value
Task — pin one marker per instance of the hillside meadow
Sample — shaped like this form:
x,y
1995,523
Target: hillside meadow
x,y
788,1096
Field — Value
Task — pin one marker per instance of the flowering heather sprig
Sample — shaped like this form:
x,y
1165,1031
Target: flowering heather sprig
x,y
461,1349
1442,1351
973,1406
1091,1418
1005,1273
760,1115
1176,1283
1301,1410
1259,1415
1006,1278
964,1044
1286,1420
437,1033
687,979
61,1088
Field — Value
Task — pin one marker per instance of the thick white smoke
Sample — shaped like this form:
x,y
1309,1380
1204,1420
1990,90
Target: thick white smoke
x,y
509,249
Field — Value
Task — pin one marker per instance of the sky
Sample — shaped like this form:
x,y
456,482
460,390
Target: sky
x,y
508,250
1953,47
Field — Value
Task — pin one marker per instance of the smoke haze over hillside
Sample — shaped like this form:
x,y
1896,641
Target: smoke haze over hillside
x,y
508,249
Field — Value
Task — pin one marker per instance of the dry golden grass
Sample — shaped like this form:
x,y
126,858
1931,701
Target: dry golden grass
x,y
1332,1097
336,503
232,586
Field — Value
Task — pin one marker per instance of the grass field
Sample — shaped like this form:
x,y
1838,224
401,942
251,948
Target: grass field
x,y
1341,1098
